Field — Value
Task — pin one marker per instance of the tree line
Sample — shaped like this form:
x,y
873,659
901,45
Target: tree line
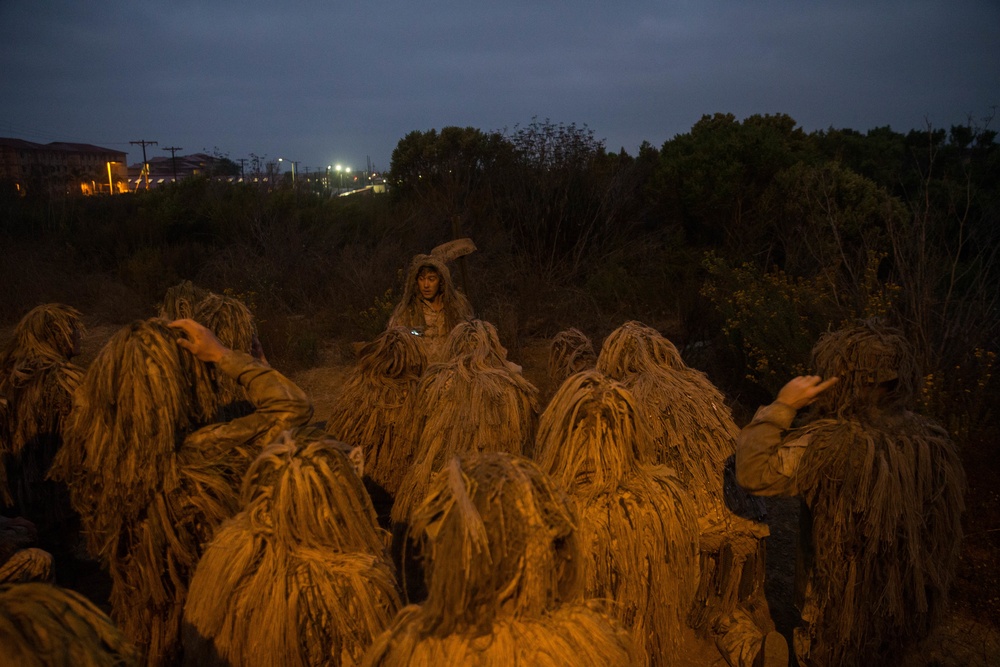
x,y
741,240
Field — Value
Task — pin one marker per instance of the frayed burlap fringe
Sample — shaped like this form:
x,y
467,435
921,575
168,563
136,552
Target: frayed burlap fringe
x,y
43,625
372,408
222,398
37,381
180,301
300,576
474,403
886,501
146,503
866,358
694,434
569,352
574,635
637,527
503,578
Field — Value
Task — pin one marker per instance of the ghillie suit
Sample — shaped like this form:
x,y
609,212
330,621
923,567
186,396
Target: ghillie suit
x,y
372,407
637,526
411,313
46,626
883,488
569,352
37,381
180,301
283,583
222,397
150,488
475,402
503,577
694,434
19,561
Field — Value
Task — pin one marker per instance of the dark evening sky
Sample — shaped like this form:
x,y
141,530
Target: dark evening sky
x,y
327,82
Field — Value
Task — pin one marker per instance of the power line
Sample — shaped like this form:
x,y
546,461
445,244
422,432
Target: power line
x,y
145,164
173,158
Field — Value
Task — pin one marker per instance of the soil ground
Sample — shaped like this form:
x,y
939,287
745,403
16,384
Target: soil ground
x,y
968,636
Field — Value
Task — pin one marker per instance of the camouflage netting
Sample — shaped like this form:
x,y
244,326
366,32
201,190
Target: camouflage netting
x,y
146,503
222,398
694,434
503,577
372,406
884,487
569,352
44,626
37,381
476,402
300,576
638,528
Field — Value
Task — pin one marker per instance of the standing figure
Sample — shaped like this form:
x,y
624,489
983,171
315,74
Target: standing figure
x,y
503,577
431,305
882,488
37,381
150,480
637,526
695,435
301,576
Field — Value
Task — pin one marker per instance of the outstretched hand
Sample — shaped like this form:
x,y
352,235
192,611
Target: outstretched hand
x,y
199,340
803,390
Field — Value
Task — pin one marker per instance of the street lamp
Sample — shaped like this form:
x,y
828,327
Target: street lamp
x,y
294,162
341,170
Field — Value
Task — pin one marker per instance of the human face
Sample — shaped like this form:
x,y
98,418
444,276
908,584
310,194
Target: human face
x,y
429,284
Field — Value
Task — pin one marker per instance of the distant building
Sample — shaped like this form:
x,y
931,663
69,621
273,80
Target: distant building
x,y
167,169
61,168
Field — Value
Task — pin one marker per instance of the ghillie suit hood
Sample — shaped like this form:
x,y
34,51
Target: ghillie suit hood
x,y
180,301
473,403
695,435
146,503
409,312
884,488
221,397
503,577
373,405
570,351
300,576
43,625
637,528
37,381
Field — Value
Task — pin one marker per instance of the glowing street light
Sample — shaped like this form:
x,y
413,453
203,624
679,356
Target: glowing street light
x,y
294,163
341,170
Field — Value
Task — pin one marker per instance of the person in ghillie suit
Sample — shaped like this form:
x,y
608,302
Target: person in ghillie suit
x,y
504,580
301,576
150,478
695,435
883,493
431,305
637,525
37,381
372,407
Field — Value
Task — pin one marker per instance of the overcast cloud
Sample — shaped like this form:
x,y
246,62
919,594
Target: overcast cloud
x,y
322,82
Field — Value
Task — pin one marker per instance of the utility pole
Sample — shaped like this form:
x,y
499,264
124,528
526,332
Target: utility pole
x,y
242,160
145,165
173,158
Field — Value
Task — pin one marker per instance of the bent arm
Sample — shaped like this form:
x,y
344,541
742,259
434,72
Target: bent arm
x,y
766,460
278,405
